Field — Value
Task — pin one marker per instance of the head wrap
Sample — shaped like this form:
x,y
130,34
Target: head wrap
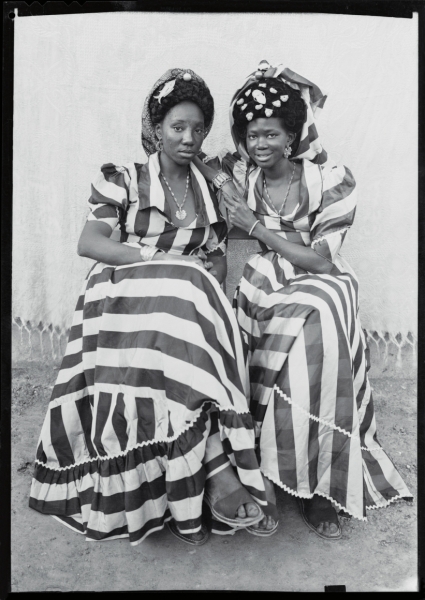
x,y
149,138
310,146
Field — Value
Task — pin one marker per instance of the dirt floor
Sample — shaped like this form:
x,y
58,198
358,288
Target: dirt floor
x,y
378,555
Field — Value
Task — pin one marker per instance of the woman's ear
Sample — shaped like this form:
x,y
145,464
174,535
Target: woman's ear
x,y
291,138
158,131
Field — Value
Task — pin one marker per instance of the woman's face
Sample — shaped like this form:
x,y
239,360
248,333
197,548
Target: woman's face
x,y
266,140
182,132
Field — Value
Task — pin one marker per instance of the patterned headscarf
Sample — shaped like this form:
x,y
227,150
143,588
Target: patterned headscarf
x,y
149,138
310,146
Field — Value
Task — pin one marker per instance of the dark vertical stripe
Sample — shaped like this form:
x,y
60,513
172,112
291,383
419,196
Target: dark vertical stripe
x,y
142,221
314,355
195,241
284,427
170,431
59,438
167,237
119,422
339,467
146,419
102,413
84,408
40,453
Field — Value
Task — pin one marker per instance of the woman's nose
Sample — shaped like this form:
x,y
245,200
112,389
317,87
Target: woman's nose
x,y
188,137
261,142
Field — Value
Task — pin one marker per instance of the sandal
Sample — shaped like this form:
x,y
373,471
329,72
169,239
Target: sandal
x,y
236,521
184,538
263,532
269,511
310,525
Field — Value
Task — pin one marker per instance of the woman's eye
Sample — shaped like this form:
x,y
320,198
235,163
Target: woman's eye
x,y
272,135
201,131
177,128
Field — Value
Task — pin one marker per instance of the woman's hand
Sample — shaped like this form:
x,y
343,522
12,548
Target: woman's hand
x,y
240,215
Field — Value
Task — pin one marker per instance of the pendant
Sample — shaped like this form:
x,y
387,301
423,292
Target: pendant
x,y
181,214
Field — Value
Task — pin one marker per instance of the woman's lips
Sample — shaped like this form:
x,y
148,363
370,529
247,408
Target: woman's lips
x,y
262,156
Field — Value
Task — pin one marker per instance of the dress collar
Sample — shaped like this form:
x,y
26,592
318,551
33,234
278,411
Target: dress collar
x,y
310,191
151,193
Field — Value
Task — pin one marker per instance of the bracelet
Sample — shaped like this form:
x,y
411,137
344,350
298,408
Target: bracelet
x,y
252,228
220,179
148,252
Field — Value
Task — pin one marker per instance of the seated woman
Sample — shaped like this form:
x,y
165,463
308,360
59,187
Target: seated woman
x,y
297,307
149,408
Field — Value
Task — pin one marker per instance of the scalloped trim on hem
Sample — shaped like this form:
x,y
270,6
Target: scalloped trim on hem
x,y
323,421
390,501
141,444
298,495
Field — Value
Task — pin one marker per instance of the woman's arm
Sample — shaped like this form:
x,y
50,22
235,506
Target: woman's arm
x,y
228,189
241,216
95,243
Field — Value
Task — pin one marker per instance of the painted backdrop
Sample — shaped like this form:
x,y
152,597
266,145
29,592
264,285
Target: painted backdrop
x,y
80,82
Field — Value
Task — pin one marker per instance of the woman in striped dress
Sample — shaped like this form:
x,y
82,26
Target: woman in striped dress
x,y
297,307
149,409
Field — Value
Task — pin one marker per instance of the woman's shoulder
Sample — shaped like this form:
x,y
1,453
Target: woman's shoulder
x,y
112,183
334,172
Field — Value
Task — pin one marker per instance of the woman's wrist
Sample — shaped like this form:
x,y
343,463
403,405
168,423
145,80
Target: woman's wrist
x,y
254,225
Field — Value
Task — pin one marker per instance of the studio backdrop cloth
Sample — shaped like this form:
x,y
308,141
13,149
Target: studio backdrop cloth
x,y
80,83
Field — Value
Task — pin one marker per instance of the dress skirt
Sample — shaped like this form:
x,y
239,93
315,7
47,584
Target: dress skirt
x,y
154,364
311,399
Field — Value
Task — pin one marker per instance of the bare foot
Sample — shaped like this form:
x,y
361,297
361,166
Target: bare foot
x,y
268,522
322,516
247,510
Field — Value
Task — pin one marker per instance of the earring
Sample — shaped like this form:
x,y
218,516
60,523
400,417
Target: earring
x,y
287,152
159,146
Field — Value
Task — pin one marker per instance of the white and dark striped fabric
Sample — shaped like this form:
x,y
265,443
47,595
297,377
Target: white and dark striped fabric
x,y
153,377
308,145
310,395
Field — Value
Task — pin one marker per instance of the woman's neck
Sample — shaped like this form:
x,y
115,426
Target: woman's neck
x,y
171,169
279,170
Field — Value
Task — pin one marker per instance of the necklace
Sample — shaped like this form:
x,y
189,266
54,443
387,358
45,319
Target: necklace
x,y
286,195
180,213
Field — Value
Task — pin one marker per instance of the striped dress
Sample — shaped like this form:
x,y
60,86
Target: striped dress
x,y
151,397
311,399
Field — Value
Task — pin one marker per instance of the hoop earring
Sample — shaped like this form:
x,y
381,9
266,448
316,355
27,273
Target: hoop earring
x,y
287,152
159,145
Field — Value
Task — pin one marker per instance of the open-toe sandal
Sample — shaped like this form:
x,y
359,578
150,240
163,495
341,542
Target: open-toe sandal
x,y
269,511
233,507
184,538
310,525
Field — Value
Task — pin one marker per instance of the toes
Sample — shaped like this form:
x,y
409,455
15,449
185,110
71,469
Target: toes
x,y
270,523
333,528
241,513
320,528
252,509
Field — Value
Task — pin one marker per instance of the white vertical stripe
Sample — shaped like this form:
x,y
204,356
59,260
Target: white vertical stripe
x,y
212,216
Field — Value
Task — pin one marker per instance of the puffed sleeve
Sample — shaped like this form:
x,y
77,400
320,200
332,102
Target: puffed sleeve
x,y
335,214
109,198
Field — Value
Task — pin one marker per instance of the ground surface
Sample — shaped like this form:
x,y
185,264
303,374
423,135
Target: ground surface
x,y
378,555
